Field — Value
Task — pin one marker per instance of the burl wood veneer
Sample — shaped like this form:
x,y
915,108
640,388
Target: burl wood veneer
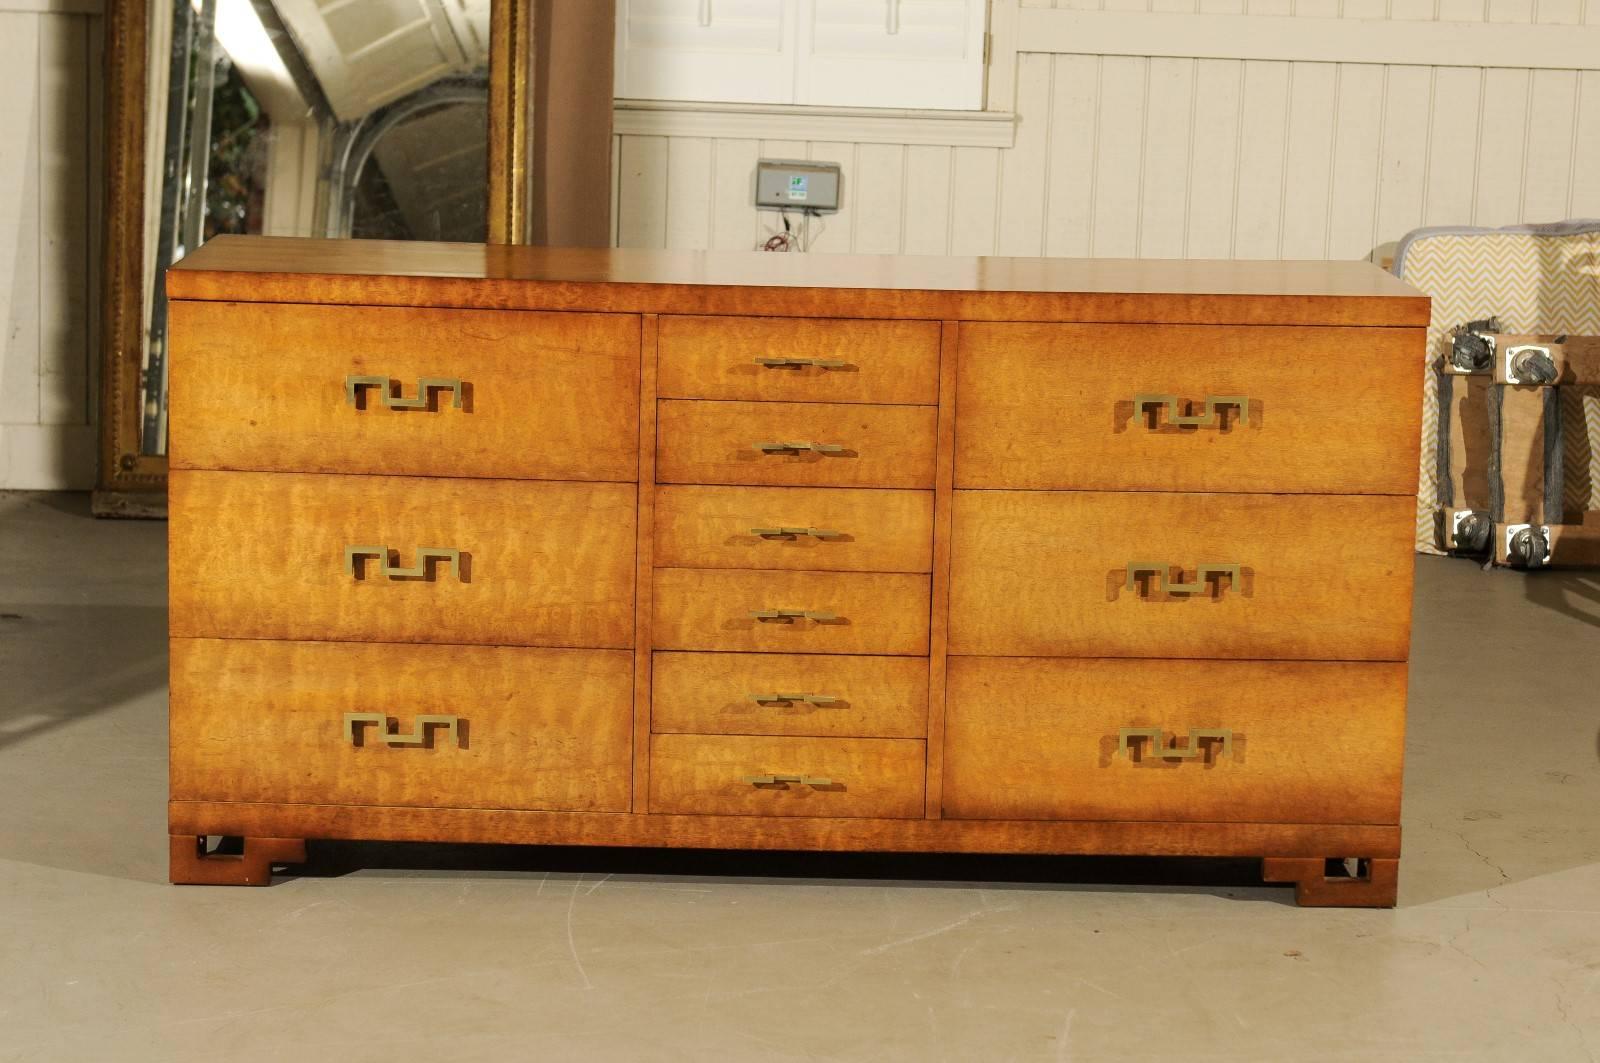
x,y
493,544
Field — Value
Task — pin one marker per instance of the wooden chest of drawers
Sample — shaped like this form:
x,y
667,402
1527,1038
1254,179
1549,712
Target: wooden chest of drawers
x,y
791,552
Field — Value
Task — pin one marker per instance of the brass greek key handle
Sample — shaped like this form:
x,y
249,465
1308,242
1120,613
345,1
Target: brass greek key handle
x,y
352,554
786,615
1166,585
425,386
791,699
419,732
800,363
787,780
1203,420
1158,744
779,447
796,533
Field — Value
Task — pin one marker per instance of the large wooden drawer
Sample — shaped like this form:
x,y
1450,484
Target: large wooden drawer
x,y
789,694
285,556
1279,742
302,389
255,720
1327,410
1081,574
726,775
839,444
849,612
799,359
811,528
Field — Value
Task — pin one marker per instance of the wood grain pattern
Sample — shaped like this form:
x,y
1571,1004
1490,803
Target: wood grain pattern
x,y
879,778
644,564
1051,406
1325,577
259,720
876,613
1032,738
1522,465
261,555
548,396
939,625
710,693
714,527
716,443
716,358
629,280
773,832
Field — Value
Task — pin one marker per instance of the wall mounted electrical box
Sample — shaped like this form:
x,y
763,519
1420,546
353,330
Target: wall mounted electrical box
x,y
788,185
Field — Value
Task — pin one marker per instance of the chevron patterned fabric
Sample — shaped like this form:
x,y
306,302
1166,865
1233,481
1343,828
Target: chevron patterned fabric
x,y
1535,280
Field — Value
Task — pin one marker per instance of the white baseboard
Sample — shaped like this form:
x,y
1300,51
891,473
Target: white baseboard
x,y
47,457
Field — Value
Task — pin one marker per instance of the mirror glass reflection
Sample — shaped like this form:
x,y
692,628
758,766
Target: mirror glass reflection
x,y
333,118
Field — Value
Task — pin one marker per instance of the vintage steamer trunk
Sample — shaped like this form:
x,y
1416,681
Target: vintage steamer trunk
x,y
495,544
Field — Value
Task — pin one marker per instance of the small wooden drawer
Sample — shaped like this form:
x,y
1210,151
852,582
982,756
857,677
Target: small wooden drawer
x,y
1189,408
789,694
809,528
1201,741
795,444
427,392
795,612
432,726
741,775
1083,574
797,359
394,559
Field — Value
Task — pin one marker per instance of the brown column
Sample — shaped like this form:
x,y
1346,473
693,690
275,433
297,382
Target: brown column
x,y
570,142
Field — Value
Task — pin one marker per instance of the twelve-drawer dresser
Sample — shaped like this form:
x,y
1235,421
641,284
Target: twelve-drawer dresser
x,y
767,551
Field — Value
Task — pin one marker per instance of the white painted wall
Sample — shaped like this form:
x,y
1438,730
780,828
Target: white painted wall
x,y
1330,132
49,229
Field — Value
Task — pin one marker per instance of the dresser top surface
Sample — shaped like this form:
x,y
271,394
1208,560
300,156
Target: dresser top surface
x,y
276,269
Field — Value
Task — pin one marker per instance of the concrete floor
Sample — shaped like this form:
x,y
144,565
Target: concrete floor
x,y
455,953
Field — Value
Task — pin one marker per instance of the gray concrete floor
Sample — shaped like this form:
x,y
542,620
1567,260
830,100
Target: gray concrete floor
x,y
456,953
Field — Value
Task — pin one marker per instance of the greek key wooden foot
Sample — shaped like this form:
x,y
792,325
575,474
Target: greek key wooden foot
x,y
1374,884
250,866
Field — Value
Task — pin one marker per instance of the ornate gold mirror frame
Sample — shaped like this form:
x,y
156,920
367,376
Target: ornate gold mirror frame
x,y
131,483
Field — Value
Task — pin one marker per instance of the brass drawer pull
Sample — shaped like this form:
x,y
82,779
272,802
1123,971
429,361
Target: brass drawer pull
x,y
425,387
795,533
418,571
809,699
787,780
419,732
778,447
819,616
800,363
1213,403
1158,744
1166,585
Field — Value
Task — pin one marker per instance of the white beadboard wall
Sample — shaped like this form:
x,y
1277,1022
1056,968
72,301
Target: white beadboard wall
x,y
50,99
1298,146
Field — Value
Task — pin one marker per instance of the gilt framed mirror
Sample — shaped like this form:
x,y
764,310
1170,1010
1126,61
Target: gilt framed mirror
x,y
393,119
